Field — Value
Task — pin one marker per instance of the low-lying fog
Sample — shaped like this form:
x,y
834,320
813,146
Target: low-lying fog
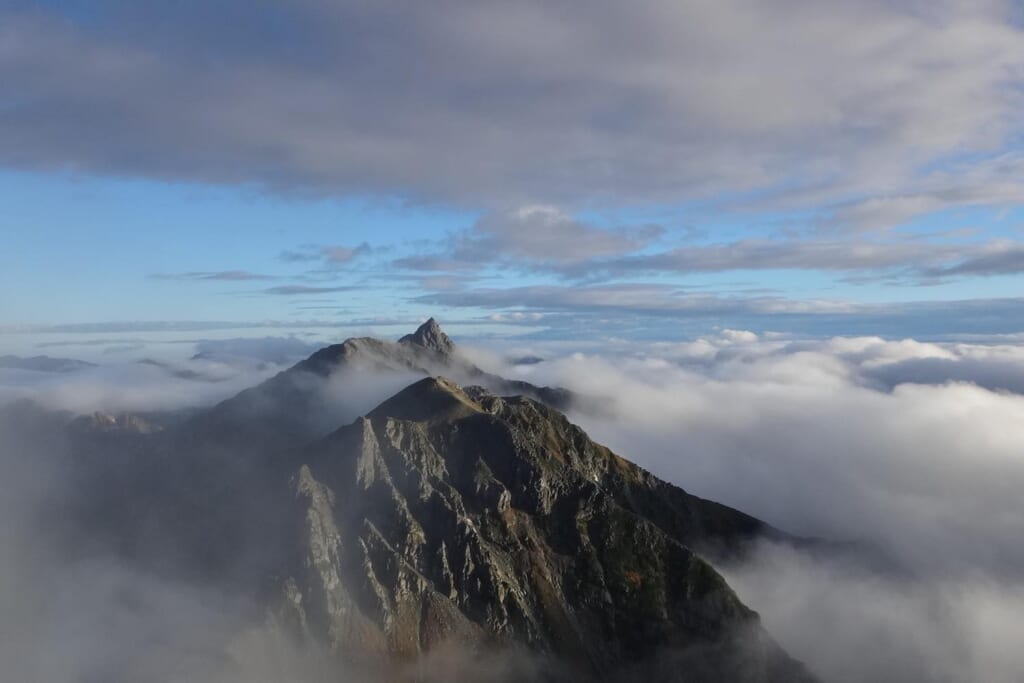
x,y
912,448
912,451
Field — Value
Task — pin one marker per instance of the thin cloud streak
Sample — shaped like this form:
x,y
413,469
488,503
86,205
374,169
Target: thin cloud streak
x,y
328,254
545,240
664,311
297,290
223,275
921,470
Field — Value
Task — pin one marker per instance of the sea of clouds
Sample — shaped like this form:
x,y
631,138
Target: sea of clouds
x,y
913,452
909,453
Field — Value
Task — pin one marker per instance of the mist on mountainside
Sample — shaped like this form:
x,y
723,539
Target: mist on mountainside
x,y
909,451
913,481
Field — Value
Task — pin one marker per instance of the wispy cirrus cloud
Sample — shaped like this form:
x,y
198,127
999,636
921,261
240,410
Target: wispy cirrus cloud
x,y
625,298
330,255
660,310
296,290
907,261
222,275
545,240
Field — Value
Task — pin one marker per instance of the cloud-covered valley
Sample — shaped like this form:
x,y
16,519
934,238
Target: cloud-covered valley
x,y
906,454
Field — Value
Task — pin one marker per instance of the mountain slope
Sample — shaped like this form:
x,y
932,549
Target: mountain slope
x,y
309,398
451,514
443,517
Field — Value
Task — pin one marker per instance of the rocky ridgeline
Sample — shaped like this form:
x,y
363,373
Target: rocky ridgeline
x,y
465,511
456,514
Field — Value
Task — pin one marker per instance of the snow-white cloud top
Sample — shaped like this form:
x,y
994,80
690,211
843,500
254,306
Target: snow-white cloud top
x,y
907,448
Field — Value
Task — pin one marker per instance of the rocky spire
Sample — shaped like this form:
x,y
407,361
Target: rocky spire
x,y
429,335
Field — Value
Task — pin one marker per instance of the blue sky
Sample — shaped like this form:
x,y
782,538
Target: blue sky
x,y
657,173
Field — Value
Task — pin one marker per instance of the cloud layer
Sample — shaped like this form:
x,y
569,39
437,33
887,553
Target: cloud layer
x,y
854,147
909,450
491,104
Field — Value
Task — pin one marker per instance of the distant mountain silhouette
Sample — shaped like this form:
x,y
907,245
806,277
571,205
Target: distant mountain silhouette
x,y
44,363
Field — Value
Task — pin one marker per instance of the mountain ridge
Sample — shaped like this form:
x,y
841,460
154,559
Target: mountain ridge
x,y
294,400
534,539
445,515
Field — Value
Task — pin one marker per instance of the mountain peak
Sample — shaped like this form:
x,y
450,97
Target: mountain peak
x,y
430,335
480,519
430,398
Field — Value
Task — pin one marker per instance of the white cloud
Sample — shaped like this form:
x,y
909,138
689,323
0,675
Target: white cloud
x,y
517,104
860,627
924,467
803,433
545,235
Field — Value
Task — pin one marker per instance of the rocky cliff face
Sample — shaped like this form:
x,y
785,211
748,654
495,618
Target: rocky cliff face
x,y
430,336
449,514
